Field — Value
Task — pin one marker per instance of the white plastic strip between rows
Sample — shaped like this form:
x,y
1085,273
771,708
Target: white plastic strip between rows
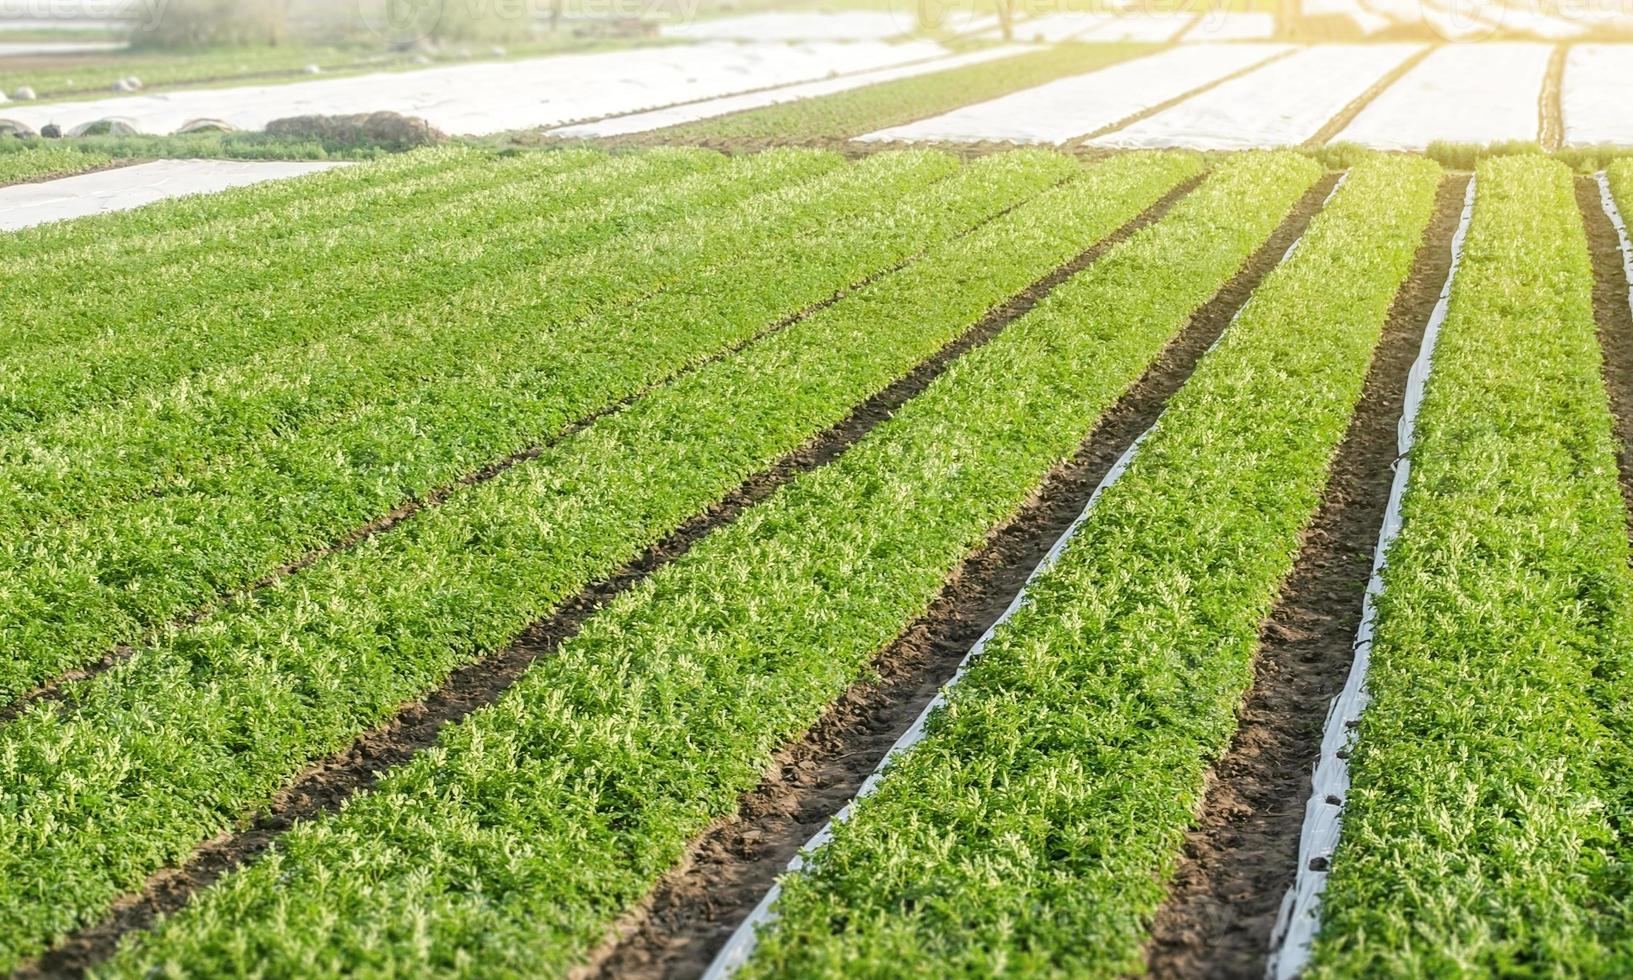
x,y
1607,200
1299,918
746,937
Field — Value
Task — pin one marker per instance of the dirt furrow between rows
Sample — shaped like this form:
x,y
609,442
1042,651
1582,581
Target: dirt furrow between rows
x,y
1614,316
325,785
693,910
1239,858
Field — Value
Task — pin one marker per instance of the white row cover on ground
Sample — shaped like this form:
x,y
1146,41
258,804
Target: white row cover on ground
x,y
1053,27
13,49
641,122
1462,93
1598,78
1283,103
1150,28
1216,26
1369,22
124,188
476,99
850,25
1070,107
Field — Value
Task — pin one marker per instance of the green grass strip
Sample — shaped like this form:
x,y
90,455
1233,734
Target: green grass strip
x,y
613,751
209,214
145,519
191,733
47,163
54,291
843,115
1032,829
107,349
1489,827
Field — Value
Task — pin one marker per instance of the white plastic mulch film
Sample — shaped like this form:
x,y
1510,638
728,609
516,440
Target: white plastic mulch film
x,y
741,945
1608,202
1598,78
641,122
1150,28
124,188
1461,93
471,99
849,25
1227,26
11,49
1299,918
1282,103
1051,28
1081,104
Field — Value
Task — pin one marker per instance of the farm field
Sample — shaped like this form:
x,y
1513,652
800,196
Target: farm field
x,y
445,569
825,498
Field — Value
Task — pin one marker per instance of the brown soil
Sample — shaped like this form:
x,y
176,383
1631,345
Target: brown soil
x,y
1550,103
1239,859
1150,111
1615,319
1337,124
693,910
324,786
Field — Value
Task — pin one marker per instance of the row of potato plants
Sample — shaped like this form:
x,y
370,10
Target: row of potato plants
x,y
1033,828
1489,824
204,725
143,517
530,827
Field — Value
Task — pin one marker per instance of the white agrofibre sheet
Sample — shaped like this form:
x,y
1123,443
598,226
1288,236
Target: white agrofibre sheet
x,y
1069,107
1368,21
850,25
124,188
1598,78
1281,104
1462,93
1054,27
675,115
1216,26
13,49
1463,22
1299,917
477,99
1150,28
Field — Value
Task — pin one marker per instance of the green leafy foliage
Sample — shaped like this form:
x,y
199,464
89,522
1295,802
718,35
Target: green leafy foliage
x,y
1032,830
200,727
1489,829
519,838
41,164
